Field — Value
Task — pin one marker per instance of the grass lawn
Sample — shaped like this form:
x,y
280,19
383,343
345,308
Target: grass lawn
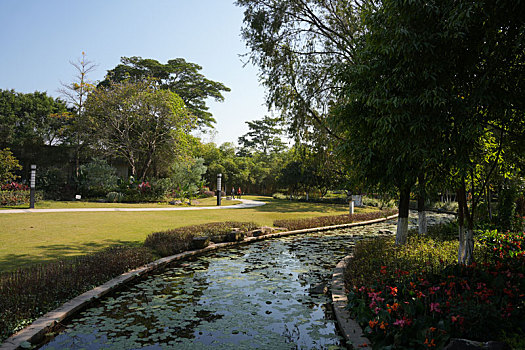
x,y
28,238
201,202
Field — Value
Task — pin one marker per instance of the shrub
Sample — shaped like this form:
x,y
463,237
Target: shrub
x,y
207,194
27,293
114,197
13,193
279,195
321,221
416,296
53,181
378,203
175,241
97,178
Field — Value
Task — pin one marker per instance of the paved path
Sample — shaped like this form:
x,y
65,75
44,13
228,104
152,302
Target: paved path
x,y
246,203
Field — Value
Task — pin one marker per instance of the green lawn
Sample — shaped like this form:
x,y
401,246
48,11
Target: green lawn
x,y
36,237
201,202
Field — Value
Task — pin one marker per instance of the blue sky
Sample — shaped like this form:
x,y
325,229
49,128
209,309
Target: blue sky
x,y
38,39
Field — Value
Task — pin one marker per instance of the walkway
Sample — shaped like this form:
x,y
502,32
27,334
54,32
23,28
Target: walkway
x,y
246,203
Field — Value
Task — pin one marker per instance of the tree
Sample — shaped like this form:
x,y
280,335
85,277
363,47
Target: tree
x,y
8,165
178,76
263,136
136,120
31,119
76,93
426,91
296,45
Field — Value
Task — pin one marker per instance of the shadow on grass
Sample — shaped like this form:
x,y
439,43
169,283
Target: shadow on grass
x,y
54,252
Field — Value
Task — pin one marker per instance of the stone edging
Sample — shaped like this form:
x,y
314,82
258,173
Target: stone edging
x,y
349,327
35,332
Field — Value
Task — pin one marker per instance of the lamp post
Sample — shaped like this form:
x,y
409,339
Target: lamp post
x,y
32,187
219,186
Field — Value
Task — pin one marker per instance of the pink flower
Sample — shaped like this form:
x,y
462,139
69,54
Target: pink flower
x,y
435,307
400,323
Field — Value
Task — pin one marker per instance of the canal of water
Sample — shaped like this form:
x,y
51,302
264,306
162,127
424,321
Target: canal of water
x,y
266,295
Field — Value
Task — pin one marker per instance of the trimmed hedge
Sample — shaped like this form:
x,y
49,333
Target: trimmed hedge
x,y
299,224
178,240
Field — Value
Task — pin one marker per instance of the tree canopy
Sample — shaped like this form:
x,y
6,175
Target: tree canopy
x,y
177,75
136,121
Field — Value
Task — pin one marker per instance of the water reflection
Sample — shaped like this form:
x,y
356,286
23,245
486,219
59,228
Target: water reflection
x,y
268,294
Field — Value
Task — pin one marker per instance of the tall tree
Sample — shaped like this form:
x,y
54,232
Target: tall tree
x,y
295,44
427,86
76,93
178,76
136,121
264,136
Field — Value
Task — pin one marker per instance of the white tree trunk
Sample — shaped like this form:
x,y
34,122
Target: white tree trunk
x,y
461,248
402,231
466,247
422,222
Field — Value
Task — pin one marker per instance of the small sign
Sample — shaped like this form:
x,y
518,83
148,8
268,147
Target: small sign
x,y
78,197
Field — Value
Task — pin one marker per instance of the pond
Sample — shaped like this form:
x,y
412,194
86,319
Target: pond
x,y
269,294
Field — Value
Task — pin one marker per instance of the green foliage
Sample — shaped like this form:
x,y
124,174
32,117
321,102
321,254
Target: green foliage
x,y
53,182
32,119
30,292
14,194
8,165
299,224
264,136
114,197
97,178
186,176
383,202
178,240
138,122
177,75
508,217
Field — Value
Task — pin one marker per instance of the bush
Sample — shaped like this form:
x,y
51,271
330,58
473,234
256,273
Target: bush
x,y
416,296
279,196
97,178
178,240
378,203
321,221
27,293
207,194
114,197
53,181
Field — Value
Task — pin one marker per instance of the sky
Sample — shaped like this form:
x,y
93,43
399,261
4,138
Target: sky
x,y
39,38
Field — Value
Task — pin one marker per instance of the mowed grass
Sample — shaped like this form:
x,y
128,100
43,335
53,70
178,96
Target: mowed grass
x,y
28,238
201,202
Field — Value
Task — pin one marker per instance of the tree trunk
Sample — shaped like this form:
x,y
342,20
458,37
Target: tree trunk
x,y
421,210
422,223
402,219
466,234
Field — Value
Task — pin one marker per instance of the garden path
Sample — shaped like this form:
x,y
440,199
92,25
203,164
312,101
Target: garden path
x,y
246,203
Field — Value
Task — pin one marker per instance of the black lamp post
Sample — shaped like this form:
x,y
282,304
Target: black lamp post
x,y
32,187
219,186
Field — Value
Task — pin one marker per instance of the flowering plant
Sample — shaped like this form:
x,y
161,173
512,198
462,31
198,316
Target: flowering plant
x,y
426,306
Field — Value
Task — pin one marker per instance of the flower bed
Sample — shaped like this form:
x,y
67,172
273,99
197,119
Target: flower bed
x,y
14,194
417,297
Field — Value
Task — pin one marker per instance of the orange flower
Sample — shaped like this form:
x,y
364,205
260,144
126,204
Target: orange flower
x,y
383,325
372,323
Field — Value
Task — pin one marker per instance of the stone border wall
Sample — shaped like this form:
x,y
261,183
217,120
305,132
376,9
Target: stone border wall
x,y
35,333
349,327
